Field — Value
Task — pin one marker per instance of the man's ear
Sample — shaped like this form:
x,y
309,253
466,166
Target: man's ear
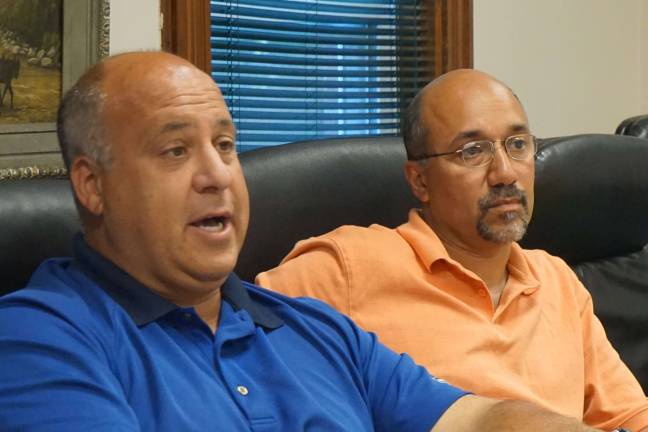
x,y
85,175
415,175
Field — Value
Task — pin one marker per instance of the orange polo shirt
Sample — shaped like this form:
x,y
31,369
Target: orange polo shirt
x,y
542,343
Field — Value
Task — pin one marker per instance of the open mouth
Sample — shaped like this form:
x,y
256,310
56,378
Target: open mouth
x,y
212,224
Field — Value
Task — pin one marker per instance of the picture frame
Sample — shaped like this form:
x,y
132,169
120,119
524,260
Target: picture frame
x,y
31,149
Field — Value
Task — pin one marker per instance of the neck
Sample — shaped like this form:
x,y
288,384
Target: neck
x,y
209,310
490,265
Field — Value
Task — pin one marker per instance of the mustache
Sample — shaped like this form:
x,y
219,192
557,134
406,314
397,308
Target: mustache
x,y
502,192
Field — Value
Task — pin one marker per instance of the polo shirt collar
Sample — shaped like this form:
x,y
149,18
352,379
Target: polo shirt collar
x,y
429,248
143,305
520,271
423,239
235,294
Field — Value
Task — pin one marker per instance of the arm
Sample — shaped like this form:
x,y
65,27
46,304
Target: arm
x,y
473,413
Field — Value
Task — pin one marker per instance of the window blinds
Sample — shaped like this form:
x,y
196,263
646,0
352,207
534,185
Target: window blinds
x,y
295,70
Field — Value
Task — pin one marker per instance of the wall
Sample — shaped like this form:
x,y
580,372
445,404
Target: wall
x,y
134,25
578,65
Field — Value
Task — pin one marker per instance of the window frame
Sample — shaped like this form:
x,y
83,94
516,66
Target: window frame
x,y
186,32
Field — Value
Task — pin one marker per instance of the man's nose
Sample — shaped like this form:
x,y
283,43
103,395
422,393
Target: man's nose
x,y
501,170
211,171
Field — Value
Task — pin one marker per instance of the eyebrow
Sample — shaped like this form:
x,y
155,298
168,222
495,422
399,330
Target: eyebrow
x,y
225,123
476,133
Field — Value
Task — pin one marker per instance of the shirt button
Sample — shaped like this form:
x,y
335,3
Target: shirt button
x,y
243,390
187,316
482,292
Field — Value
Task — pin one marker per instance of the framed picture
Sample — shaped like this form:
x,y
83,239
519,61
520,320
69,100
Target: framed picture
x,y
45,46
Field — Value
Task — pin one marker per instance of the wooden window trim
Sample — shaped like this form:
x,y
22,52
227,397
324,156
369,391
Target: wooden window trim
x,y
186,32
459,21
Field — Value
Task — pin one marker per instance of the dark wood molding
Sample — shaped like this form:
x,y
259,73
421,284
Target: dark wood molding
x,y
452,27
459,43
186,30
439,46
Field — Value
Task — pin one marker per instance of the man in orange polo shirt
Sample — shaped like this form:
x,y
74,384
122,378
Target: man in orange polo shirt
x,y
452,287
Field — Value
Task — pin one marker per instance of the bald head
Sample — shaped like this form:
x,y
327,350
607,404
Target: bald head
x,y
444,100
124,81
132,78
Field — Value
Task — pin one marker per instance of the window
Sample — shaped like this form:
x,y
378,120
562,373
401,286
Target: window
x,y
310,69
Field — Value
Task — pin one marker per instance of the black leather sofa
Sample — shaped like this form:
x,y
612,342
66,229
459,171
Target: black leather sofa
x,y
591,209
634,126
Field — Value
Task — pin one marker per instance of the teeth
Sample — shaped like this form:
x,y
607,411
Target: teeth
x,y
212,224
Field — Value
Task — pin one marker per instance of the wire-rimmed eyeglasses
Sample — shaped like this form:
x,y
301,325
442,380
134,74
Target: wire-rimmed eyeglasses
x,y
480,153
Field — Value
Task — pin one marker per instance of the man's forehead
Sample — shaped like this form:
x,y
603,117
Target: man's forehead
x,y
470,103
453,90
147,92
153,74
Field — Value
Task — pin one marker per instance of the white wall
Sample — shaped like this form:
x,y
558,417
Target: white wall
x,y
134,25
577,65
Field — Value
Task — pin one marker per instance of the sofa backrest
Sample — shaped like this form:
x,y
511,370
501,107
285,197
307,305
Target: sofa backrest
x,y
37,221
307,188
591,208
634,126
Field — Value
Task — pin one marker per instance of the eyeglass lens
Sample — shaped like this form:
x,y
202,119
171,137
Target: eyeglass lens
x,y
478,153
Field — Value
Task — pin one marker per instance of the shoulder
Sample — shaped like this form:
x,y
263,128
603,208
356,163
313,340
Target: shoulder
x,y
542,263
313,320
297,308
555,275
51,286
374,233
352,239
58,353
541,257
58,302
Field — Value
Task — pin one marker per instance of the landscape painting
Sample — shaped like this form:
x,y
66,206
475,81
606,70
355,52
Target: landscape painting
x,y
30,60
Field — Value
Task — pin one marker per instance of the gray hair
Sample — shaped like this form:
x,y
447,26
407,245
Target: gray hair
x,y
413,130
79,124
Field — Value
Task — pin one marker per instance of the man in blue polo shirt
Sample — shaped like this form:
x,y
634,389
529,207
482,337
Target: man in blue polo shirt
x,y
148,329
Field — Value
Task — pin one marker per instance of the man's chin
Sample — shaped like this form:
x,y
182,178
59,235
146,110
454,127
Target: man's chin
x,y
215,271
502,233
208,267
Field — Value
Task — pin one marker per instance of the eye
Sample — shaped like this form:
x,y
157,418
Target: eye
x,y
517,143
472,150
175,152
226,146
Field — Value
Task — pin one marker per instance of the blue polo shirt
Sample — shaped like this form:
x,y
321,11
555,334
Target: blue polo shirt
x,y
85,347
